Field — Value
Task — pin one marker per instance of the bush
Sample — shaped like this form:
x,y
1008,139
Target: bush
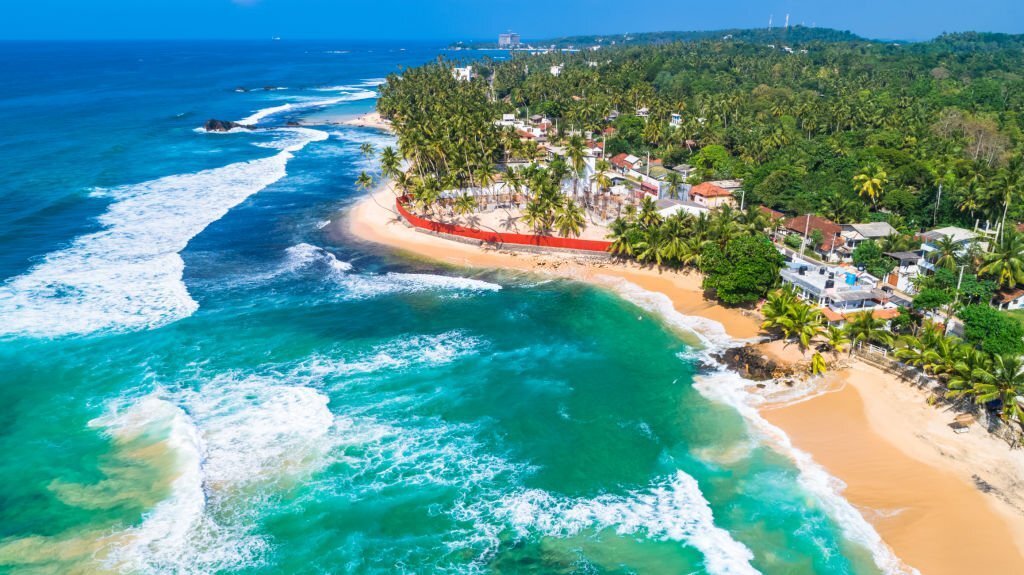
x,y
744,271
794,241
992,330
869,255
931,299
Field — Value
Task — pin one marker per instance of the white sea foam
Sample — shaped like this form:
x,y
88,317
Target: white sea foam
x,y
711,333
302,255
368,83
178,535
128,276
406,351
310,103
673,510
731,389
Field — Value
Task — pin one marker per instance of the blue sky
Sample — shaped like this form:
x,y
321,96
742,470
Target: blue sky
x,y
474,19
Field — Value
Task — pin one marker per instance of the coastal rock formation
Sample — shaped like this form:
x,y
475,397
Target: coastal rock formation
x,y
749,362
222,126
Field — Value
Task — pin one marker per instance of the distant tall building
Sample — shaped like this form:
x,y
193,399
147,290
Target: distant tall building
x,y
508,40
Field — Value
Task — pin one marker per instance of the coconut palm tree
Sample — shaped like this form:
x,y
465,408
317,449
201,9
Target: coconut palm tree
x,y
1006,263
366,148
865,327
1001,383
836,339
818,365
364,181
464,205
804,323
946,254
569,220
778,305
675,181
390,163
648,216
870,183
965,375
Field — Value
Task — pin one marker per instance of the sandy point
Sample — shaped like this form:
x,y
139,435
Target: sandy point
x,y
945,503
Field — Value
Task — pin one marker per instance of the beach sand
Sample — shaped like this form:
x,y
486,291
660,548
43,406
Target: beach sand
x,y
904,468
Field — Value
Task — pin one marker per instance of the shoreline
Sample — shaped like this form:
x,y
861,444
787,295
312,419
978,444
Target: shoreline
x,y
904,469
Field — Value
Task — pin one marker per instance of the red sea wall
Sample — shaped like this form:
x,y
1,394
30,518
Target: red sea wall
x,y
501,238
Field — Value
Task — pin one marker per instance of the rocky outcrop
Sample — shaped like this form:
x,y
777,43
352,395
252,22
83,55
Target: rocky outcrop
x,y
222,126
750,363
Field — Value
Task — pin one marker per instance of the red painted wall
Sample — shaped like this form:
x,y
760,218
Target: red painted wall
x,y
501,238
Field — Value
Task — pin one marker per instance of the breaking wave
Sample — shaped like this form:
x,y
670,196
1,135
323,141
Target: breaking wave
x,y
128,276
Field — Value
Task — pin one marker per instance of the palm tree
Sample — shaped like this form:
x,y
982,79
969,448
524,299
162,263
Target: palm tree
x,y
465,205
569,220
390,162
648,216
836,339
818,365
803,322
1006,262
675,181
946,254
865,327
870,183
364,181
1002,382
777,305
838,208
366,148
966,371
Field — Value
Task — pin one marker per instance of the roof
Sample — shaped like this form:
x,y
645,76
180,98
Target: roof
x,y
957,234
904,255
1007,296
709,190
772,214
829,229
873,229
728,184
831,315
683,168
525,134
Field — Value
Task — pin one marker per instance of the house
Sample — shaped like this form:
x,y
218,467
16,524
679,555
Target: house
x,y
732,186
643,112
907,268
464,74
1009,299
595,149
854,234
669,206
684,170
711,196
831,232
507,120
931,239
556,70
626,162
773,215
676,120
609,131
840,291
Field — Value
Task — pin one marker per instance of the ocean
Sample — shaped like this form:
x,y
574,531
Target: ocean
x,y
198,378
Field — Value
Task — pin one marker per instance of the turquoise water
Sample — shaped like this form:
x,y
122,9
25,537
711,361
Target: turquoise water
x,y
198,378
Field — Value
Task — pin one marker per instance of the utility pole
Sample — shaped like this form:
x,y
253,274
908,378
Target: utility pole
x,y
956,298
935,212
743,197
807,230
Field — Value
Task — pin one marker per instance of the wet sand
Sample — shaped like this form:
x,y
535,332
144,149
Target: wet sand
x,y
904,468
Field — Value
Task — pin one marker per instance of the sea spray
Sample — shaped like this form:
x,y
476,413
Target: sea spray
x,y
128,276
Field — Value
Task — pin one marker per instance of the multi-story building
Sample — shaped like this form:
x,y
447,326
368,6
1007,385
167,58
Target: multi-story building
x,y
508,40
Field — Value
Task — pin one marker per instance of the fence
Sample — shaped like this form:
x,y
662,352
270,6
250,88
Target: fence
x,y
492,237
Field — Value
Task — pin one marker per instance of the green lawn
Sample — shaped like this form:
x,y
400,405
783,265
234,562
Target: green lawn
x,y
1017,314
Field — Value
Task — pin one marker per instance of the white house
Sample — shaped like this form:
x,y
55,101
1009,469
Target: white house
x,y
556,70
1011,299
907,268
643,112
463,74
676,121
857,233
960,236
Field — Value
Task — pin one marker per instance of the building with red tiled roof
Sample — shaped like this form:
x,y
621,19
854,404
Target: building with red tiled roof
x,y
711,196
831,232
772,214
625,162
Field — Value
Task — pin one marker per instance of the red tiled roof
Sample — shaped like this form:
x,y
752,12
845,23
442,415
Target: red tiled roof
x,y
831,315
610,130
772,214
1008,296
620,161
829,229
709,190
525,134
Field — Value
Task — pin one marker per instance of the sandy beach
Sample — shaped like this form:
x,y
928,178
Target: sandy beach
x,y
946,503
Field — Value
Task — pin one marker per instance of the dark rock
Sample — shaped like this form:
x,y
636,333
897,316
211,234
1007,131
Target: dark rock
x,y
749,362
293,124
222,126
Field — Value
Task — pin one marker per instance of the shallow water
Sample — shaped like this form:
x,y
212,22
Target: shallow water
x,y
199,380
